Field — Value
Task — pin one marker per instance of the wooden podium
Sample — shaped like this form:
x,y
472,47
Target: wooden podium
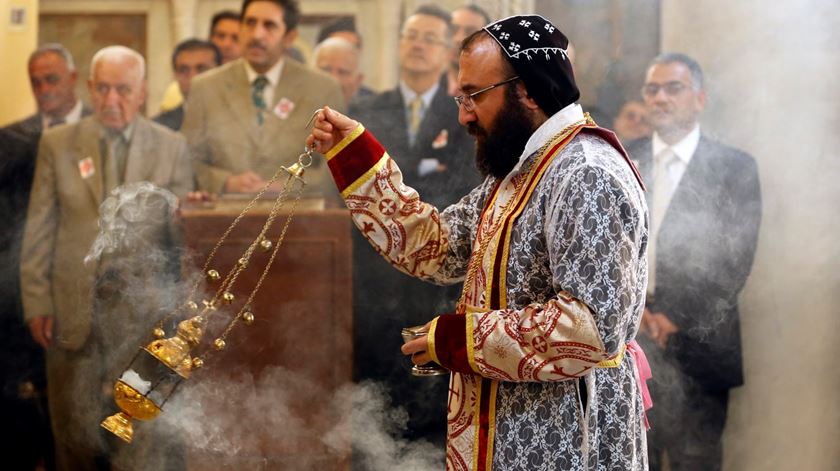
x,y
303,328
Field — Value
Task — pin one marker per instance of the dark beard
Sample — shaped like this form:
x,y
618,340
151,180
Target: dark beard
x,y
498,148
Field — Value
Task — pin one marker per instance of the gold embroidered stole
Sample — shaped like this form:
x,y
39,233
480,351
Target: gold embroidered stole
x,y
484,290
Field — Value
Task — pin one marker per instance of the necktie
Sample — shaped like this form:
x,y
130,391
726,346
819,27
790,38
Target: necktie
x,y
115,161
257,97
663,188
415,112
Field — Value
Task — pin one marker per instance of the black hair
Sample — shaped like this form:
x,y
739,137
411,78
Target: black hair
x,y
194,44
697,78
346,23
291,11
223,15
437,12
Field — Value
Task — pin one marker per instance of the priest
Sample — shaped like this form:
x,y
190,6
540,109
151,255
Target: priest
x,y
546,373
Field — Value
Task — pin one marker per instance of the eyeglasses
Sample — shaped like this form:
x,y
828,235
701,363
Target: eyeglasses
x,y
672,88
428,40
468,101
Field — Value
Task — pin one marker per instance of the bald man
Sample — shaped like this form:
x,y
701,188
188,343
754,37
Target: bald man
x,y
340,58
77,167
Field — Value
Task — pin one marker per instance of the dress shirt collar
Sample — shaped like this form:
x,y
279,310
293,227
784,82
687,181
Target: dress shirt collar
x,y
273,74
409,95
570,114
109,134
683,149
72,117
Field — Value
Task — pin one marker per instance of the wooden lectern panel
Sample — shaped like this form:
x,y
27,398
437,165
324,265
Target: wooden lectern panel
x,y
303,327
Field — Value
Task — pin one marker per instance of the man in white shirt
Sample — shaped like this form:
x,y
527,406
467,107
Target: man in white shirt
x,y
705,208
246,118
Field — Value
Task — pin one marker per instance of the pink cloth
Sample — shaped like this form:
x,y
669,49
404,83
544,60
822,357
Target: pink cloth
x,y
642,375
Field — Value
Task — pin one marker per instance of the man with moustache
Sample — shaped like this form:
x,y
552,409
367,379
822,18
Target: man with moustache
x,y
23,404
246,118
191,57
466,20
705,205
77,167
419,123
551,247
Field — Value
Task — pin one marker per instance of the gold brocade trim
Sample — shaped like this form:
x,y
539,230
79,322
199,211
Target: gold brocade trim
x,y
476,422
345,142
367,176
430,340
615,361
491,421
470,343
560,140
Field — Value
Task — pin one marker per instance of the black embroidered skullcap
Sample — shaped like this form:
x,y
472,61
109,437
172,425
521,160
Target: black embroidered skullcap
x,y
538,52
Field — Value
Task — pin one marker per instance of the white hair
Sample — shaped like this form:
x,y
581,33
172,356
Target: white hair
x,y
54,48
119,54
338,44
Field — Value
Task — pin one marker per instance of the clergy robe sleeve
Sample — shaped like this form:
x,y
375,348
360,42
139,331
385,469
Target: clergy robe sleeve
x,y
412,235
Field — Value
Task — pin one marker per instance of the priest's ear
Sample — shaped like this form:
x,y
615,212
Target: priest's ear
x,y
525,97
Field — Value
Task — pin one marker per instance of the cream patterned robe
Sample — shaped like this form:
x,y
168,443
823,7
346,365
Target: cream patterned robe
x,y
569,272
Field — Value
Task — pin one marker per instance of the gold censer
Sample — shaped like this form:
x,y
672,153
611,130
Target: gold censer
x,y
163,363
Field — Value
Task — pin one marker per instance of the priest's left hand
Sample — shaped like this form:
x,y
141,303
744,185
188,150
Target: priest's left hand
x,y
417,350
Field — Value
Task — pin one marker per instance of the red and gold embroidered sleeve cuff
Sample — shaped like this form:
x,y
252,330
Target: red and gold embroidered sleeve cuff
x,y
448,343
355,159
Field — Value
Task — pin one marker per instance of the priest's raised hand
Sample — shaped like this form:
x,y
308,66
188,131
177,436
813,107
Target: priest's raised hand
x,y
329,129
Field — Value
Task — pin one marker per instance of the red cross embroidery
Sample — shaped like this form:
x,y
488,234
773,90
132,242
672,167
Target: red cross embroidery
x,y
452,392
540,344
387,207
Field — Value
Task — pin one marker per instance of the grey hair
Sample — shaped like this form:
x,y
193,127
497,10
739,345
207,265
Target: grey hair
x,y
693,66
340,44
118,53
54,48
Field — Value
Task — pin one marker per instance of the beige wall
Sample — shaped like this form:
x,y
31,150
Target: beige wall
x,y
772,69
16,42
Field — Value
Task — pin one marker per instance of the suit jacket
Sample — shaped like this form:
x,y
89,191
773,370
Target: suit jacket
x,y
173,119
440,137
704,254
64,209
225,139
21,359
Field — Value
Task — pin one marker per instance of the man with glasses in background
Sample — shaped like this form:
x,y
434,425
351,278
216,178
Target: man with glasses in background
x,y
705,206
419,122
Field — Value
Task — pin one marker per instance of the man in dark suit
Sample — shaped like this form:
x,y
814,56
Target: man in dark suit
x,y
418,124
705,206
26,436
191,57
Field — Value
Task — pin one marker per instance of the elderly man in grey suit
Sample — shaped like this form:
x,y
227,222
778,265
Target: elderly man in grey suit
x,y
77,167
248,117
